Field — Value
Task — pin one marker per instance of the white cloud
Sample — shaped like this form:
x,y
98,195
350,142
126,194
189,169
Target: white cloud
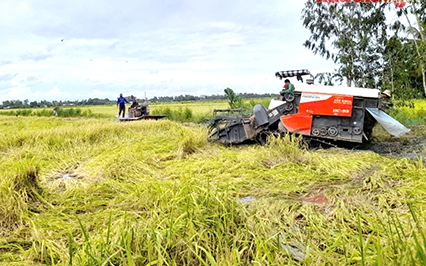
x,y
188,46
96,93
56,92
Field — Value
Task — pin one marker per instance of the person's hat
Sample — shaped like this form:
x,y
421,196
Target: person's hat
x,y
387,93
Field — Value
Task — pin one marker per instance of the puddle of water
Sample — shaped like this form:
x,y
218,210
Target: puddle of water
x,y
295,253
66,177
319,199
246,200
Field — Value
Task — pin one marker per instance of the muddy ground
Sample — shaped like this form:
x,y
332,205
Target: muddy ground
x,y
412,145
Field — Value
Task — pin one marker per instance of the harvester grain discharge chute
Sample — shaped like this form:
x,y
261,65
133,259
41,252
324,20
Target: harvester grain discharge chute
x,y
325,113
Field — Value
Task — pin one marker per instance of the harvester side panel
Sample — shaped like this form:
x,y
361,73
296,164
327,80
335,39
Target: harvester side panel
x,y
332,117
326,104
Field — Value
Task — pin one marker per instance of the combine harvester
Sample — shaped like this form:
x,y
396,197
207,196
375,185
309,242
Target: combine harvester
x,y
326,114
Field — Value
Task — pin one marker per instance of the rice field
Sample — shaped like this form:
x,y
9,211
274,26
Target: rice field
x,y
93,191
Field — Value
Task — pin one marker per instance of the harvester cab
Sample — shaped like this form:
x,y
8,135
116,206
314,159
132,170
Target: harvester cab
x,y
323,113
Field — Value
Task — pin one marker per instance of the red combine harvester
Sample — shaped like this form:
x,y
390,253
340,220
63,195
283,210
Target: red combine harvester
x,y
326,114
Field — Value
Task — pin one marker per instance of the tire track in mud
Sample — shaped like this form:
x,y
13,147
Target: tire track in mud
x,y
412,148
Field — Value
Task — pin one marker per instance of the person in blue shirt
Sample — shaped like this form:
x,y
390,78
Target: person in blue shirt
x,y
121,103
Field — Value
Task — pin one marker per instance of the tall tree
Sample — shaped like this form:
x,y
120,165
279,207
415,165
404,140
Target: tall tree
x,y
417,30
400,68
351,34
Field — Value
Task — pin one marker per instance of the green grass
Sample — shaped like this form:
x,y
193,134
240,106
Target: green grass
x,y
62,112
410,115
195,112
93,191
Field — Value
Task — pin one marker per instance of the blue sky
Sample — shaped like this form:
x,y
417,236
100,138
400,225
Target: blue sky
x,y
156,47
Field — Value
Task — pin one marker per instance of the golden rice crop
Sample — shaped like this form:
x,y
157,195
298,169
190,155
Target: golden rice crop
x,y
84,191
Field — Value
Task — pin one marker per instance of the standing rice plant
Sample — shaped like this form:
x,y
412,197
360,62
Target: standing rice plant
x,y
20,112
409,115
44,112
179,114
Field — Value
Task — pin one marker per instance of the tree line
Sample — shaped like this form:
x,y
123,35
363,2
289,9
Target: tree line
x,y
375,45
15,104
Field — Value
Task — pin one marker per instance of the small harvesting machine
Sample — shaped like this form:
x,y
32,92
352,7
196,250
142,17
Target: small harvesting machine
x,y
326,114
139,112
